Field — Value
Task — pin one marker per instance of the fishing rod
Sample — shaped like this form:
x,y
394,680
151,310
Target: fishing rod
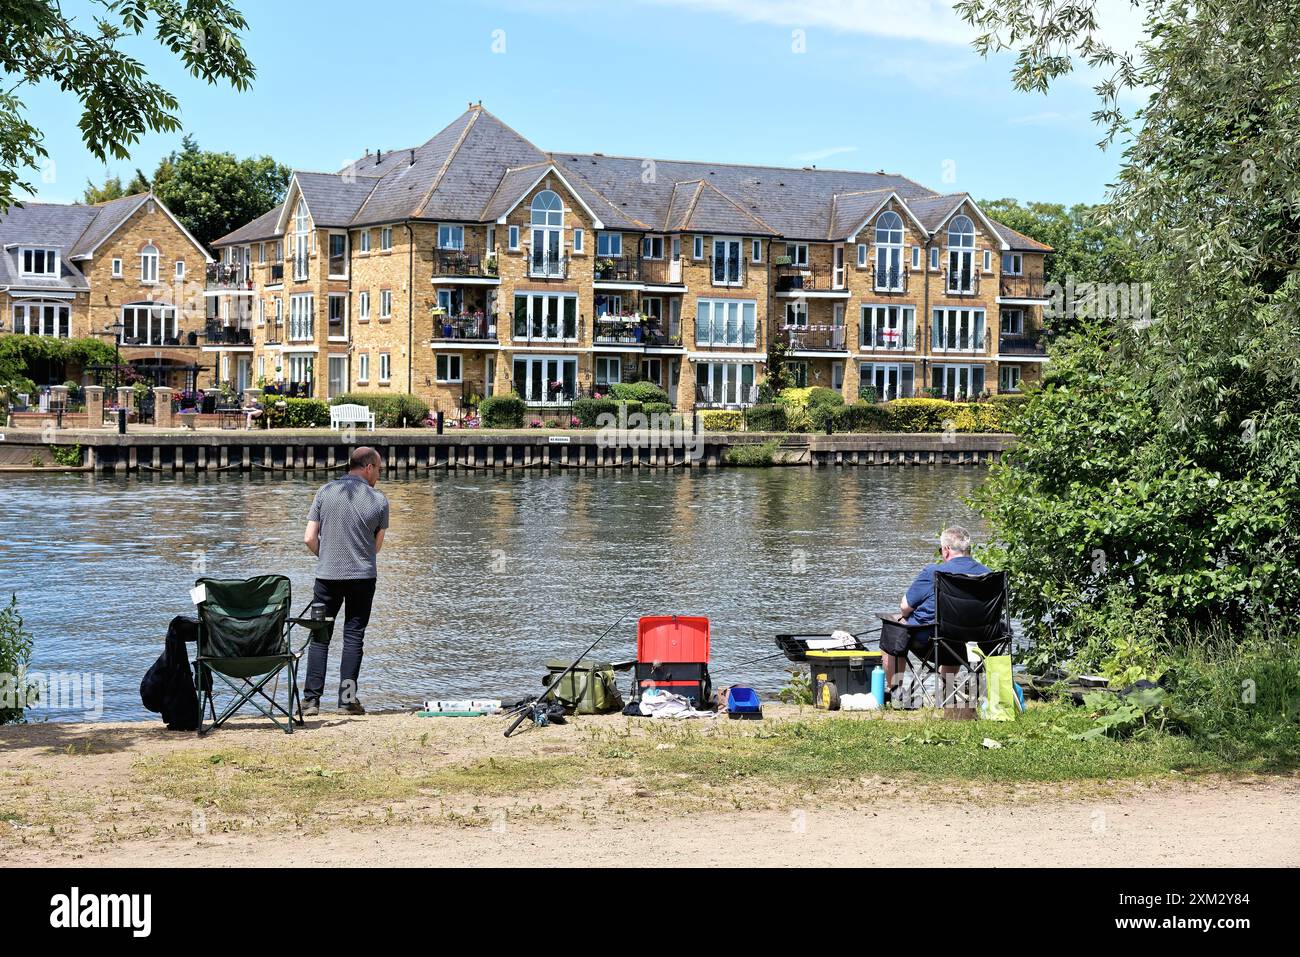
x,y
525,708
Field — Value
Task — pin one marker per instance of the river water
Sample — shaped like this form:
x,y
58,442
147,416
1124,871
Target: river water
x,y
485,577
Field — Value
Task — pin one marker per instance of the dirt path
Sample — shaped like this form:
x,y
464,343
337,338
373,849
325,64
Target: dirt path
x,y
396,790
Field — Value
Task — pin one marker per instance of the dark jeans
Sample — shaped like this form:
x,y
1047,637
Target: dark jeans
x,y
358,594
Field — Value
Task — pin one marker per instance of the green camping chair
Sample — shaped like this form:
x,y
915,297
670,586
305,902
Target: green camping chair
x,y
244,629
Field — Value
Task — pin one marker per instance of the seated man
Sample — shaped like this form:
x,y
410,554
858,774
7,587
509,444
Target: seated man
x,y
917,606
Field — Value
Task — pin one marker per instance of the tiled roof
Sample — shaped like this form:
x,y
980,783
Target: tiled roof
x,y
51,225
264,227
478,168
109,216
1019,241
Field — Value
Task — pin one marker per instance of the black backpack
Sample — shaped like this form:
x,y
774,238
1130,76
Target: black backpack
x,y
168,686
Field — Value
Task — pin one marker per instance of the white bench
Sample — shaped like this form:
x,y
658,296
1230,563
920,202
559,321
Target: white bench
x,y
341,415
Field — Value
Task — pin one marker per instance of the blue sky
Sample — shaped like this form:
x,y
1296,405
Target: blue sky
x,y
855,84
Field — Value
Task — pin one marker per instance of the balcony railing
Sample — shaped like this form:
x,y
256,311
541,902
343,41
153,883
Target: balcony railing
x,y
726,271
878,339
813,338
468,261
227,335
889,280
791,278
227,276
619,269
727,396
632,331
1029,344
277,272
476,327
1022,287
552,329
542,265
961,283
958,342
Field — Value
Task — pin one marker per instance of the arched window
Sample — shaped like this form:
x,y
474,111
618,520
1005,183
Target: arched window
x,y
889,251
961,255
301,247
149,263
547,209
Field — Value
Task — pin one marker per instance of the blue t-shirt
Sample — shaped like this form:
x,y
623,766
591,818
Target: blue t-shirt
x,y
921,593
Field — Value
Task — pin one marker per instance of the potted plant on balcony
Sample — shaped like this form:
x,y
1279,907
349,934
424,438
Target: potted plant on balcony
x,y
604,267
490,265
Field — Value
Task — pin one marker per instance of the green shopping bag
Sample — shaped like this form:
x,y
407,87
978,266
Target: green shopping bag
x,y
1001,703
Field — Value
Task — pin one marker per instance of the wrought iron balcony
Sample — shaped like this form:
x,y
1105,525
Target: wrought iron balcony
x,y
471,326
1032,344
818,338
891,280
227,276
1022,287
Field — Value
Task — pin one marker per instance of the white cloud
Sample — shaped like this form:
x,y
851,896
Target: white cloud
x,y
930,20
816,156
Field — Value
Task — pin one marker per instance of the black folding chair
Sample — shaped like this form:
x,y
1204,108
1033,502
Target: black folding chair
x,y
243,639
967,609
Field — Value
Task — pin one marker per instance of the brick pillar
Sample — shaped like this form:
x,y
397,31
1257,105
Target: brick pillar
x,y
94,406
162,408
852,380
125,397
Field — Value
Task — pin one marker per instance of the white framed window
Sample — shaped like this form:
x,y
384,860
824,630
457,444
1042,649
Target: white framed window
x,y
117,269
149,264
279,311
756,251
301,247
386,239
363,306
1009,379
40,262
338,255
302,309
652,247
862,255
447,367
798,374
652,370
988,260
545,316
363,241
916,257
797,253
180,269
302,368
697,247
385,303
890,380
578,239
338,316
889,252
545,380
1013,264
934,258
53,319
491,239
609,369
451,237
1013,322
957,330
608,305
726,322
385,367
728,268
149,324
261,312
957,381
888,328
796,313
725,383
261,367
261,253
961,255
609,244
513,237
363,367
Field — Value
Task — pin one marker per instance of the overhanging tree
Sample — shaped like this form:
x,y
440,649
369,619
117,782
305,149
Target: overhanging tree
x,y
1156,485
119,103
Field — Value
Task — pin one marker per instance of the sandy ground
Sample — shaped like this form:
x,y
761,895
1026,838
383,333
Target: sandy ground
x,y
135,794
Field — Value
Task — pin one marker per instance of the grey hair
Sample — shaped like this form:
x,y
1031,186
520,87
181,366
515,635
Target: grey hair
x,y
956,538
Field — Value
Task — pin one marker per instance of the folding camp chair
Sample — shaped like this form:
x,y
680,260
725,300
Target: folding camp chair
x,y
243,639
967,609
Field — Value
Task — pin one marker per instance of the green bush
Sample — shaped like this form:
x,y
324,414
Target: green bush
x,y
795,403
766,418
867,393
502,412
919,415
589,411
657,408
720,420
296,413
823,396
861,417
643,392
392,411
752,455
15,656
69,456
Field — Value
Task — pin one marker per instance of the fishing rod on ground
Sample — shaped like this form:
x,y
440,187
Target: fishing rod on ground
x,y
536,707
858,636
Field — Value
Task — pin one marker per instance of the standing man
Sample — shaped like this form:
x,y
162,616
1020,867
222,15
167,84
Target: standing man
x,y
345,530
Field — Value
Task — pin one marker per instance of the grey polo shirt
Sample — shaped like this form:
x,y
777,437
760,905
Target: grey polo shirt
x,y
350,512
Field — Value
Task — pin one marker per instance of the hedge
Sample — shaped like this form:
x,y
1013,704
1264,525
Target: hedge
x,y
391,411
720,420
589,411
752,456
940,415
297,413
861,417
502,412
643,392
767,418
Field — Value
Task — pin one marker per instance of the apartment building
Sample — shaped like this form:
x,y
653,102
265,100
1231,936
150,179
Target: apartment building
x,y
478,264
124,270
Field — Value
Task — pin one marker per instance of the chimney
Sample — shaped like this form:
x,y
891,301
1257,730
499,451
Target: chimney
x,y
379,155
412,163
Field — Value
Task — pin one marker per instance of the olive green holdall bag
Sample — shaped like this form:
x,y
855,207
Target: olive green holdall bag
x,y
588,689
